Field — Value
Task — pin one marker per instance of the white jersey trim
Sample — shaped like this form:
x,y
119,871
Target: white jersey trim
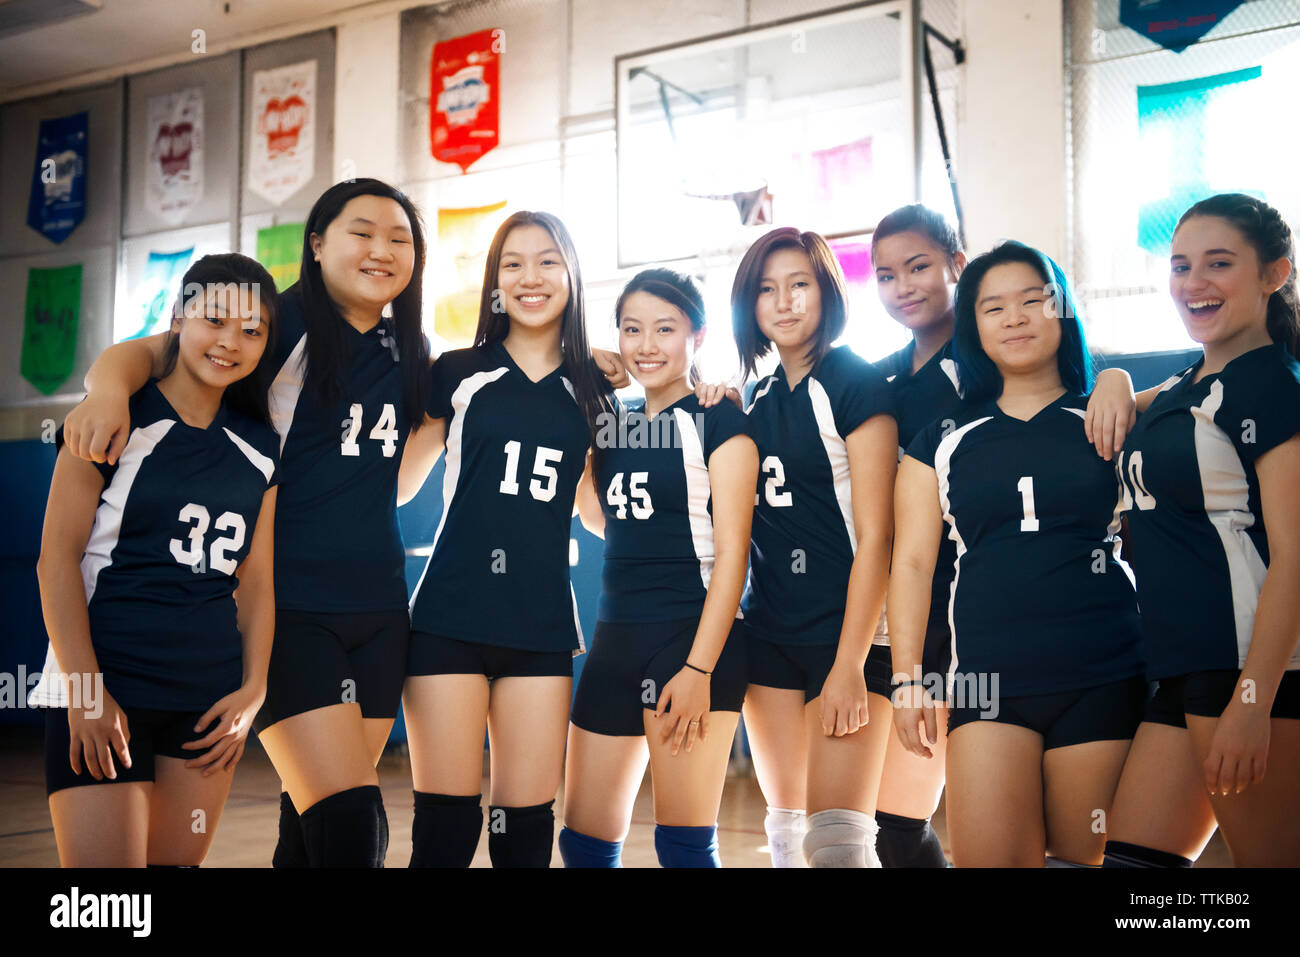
x,y
50,691
282,397
1227,506
838,455
697,494
942,467
260,462
460,401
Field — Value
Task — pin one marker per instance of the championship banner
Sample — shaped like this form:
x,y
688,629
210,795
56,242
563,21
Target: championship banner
x,y
282,144
57,203
1174,24
279,249
50,328
152,300
464,236
173,179
464,108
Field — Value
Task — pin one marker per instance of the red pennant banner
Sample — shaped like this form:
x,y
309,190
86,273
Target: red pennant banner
x,y
464,98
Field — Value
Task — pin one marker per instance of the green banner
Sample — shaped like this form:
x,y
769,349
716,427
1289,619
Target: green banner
x,y
50,331
279,249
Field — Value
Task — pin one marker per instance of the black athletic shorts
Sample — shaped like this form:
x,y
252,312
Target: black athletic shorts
x,y
1207,693
805,667
1109,712
438,655
150,733
320,659
630,663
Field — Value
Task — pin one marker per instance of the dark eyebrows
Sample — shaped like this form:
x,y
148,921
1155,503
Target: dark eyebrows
x,y
360,221
544,252
911,258
1000,298
797,272
1208,252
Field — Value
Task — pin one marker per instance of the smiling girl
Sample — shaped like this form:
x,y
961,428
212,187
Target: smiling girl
x,y
1212,488
494,619
139,566
348,384
817,707
1045,686
665,678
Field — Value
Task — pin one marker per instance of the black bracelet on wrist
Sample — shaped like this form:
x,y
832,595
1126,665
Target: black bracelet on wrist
x,y
707,674
907,684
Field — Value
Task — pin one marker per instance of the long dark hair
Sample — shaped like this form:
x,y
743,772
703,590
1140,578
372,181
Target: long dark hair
x,y
751,344
589,385
1266,230
979,377
327,346
253,286
676,289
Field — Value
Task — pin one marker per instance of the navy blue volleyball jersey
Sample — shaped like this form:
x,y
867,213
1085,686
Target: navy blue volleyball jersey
x,y
930,394
337,542
1200,549
804,539
175,519
652,476
1039,596
499,572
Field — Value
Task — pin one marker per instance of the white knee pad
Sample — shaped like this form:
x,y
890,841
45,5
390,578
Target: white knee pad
x,y
841,838
785,830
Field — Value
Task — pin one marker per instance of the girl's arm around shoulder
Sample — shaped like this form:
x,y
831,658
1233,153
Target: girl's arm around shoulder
x,y
97,429
587,502
423,446
255,600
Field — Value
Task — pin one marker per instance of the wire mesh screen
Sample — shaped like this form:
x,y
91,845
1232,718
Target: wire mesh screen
x,y
1152,131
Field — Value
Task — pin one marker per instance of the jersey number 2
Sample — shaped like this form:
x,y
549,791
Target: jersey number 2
x,y
192,555
543,465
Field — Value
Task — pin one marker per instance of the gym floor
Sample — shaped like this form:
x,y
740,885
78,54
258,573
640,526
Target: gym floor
x,y
247,832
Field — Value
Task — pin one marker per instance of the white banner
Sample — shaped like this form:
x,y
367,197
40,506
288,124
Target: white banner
x,y
282,144
174,171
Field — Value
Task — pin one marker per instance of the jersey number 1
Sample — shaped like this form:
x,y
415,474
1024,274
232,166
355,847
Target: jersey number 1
x,y
1026,486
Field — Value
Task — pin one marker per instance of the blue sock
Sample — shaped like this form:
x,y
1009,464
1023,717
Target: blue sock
x,y
581,850
687,846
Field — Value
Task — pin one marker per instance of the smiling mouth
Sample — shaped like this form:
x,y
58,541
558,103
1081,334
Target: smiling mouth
x,y
377,273
649,366
1203,308
220,363
532,300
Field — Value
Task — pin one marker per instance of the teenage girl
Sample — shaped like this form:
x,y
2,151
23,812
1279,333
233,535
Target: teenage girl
x,y
917,258
817,708
348,384
1045,683
494,621
155,669
670,488
1212,489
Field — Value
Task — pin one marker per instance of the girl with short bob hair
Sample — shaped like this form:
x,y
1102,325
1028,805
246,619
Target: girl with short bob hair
x,y
817,707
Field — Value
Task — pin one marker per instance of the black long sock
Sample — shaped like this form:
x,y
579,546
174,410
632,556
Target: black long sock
x,y
446,829
521,836
343,829
908,842
290,851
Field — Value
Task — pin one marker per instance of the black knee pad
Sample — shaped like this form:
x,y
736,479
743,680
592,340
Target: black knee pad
x,y
445,830
1122,854
908,842
290,851
521,836
343,830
